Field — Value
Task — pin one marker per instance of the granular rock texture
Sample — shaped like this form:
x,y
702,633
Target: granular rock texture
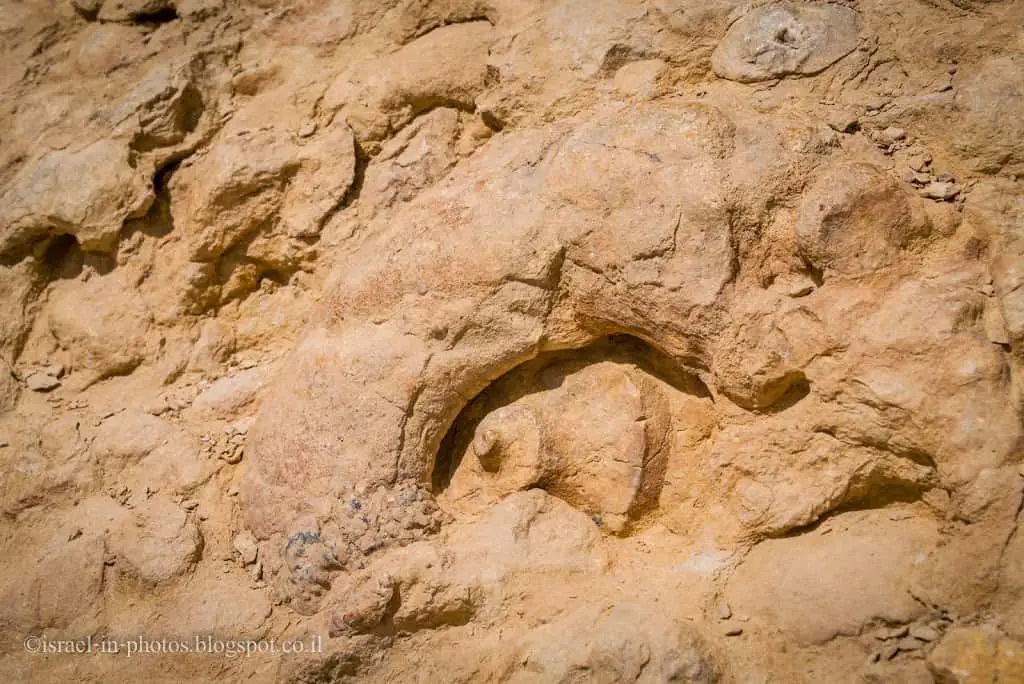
x,y
508,341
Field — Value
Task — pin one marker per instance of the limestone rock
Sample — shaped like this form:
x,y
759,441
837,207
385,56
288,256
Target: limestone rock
x,y
989,505
214,346
41,382
990,93
245,544
33,601
103,324
976,654
262,182
499,340
413,591
623,643
88,193
158,543
164,107
818,586
364,522
446,67
148,454
41,461
215,604
228,395
1011,584
783,39
556,247
854,219
532,531
420,154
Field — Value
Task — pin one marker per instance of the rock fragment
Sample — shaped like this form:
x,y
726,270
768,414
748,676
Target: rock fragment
x,y
244,544
941,190
924,633
40,381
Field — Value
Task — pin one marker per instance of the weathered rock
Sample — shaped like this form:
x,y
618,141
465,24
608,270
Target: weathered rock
x,y
991,96
1011,584
989,505
418,156
679,248
855,219
976,654
640,78
739,284
245,544
413,591
41,382
104,325
230,394
623,643
45,460
363,522
895,672
215,604
447,67
158,543
817,586
34,601
145,453
263,187
528,532
88,193
215,344
941,190
783,39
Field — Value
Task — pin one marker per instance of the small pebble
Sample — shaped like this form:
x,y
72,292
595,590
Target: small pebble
x,y
724,611
920,162
734,631
189,505
41,382
946,177
924,633
893,134
245,544
941,190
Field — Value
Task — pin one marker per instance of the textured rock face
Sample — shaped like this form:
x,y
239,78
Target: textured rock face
x,y
785,39
499,341
87,193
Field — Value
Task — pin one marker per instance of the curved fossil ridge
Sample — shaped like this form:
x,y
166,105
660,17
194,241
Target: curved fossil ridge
x,y
546,239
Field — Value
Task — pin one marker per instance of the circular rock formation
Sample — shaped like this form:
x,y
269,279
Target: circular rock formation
x,y
786,39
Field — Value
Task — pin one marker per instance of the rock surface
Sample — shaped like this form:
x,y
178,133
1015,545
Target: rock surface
x,y
504,341
784,39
